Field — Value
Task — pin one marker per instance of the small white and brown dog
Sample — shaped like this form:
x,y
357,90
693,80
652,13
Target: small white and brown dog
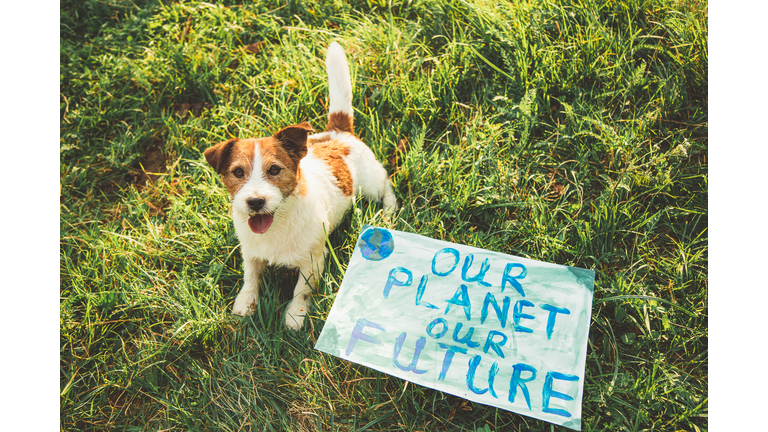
x,y
289,189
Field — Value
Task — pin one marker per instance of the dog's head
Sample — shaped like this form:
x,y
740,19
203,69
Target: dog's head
x,y
260,173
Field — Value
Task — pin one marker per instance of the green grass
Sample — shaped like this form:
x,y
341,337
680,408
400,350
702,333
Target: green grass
x,y
573,132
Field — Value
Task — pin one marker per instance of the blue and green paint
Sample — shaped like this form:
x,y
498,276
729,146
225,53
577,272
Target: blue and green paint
x,y
493,328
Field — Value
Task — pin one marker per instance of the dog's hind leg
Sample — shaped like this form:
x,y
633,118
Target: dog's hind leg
x,y
373,183
389,200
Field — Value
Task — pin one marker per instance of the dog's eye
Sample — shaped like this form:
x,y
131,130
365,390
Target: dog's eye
x,y
274,170
239,173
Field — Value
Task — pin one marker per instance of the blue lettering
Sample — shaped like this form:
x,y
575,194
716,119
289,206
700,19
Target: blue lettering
x,y
357,333
553,311
420,293
501,314
461,298
451,350
399,346
473,363
467,339
508,278
491,377
452,251
431,328
547,393
495,346
480,274
392,279
518,314
516,381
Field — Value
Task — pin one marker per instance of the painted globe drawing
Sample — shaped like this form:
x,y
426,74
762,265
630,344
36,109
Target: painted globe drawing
x,y
376,244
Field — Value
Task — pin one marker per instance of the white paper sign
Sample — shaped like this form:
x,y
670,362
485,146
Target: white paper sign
x,y
493,328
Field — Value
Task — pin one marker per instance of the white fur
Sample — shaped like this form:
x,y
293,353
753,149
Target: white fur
x,y
339,81
296,237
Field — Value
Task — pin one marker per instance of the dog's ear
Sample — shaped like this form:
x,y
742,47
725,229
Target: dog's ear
x,y
218,155
294,139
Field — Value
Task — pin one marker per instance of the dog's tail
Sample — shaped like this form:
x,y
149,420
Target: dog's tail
x,y
339,90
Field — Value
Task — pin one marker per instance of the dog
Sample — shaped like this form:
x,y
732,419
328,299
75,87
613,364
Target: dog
x,y
289,189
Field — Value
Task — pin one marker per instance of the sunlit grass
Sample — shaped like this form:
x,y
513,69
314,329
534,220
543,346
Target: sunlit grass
x,y
569,132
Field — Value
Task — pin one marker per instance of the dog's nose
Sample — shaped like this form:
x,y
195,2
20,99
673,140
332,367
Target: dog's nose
x,y
255,203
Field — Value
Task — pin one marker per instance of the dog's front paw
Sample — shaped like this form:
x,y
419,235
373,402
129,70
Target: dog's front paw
x,y
245,303
294,315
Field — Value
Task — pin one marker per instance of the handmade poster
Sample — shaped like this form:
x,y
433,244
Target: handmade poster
x,y
493,328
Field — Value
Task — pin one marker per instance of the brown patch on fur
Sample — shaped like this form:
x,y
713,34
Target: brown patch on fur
x,y
217,156
332,153
341,122
274,153
294,139
302,188
227,156
285,150
322,139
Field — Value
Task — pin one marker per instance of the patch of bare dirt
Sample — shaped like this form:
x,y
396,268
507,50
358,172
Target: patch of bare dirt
x,y
151,165
195,109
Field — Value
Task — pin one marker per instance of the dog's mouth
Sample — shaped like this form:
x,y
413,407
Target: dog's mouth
x,y
260,223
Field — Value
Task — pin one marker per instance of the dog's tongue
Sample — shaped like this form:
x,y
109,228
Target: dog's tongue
x,y
260,223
